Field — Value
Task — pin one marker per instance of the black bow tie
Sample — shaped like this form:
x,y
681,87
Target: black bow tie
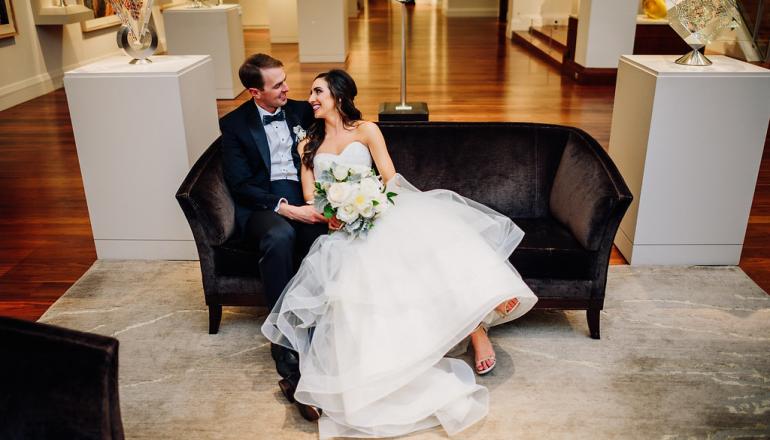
x,y
267,119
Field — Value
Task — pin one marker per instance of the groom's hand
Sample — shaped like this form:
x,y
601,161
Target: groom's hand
x,y
303,214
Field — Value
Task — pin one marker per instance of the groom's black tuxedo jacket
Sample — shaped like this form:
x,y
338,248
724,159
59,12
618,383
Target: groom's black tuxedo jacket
x,y
246,155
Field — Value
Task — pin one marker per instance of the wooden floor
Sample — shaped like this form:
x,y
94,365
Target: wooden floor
x,y
464,68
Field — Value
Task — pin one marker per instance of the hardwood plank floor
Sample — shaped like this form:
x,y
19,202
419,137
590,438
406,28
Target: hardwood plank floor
x,y
464,68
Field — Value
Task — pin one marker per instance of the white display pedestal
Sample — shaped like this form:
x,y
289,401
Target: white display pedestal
x,y
138,130
688,141
323,31
215,31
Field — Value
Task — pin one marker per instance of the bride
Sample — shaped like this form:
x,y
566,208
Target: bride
x,y
372,318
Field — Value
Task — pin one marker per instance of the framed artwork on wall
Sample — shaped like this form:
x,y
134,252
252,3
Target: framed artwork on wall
x,y
7,20
104,15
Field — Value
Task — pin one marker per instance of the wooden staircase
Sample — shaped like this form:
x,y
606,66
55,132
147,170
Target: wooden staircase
x,y
547,43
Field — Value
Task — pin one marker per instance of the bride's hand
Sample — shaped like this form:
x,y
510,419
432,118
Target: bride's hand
x,y
335,224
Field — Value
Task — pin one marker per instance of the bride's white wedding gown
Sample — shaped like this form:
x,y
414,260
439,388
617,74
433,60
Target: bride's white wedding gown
x,y
373,318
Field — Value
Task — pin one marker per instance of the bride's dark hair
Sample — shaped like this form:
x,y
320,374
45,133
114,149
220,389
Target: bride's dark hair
x,y
343,89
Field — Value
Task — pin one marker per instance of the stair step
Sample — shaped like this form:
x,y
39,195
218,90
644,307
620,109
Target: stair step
x,y
556,36
551,54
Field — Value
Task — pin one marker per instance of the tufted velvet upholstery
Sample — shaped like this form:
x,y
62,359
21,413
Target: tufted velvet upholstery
x,y
57,383
555,182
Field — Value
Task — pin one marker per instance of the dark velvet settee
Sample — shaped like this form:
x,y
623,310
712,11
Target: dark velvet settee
x,y
555,182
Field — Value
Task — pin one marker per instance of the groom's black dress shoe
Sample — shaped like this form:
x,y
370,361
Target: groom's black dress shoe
x,y
288,385
286,361
308,412
287,388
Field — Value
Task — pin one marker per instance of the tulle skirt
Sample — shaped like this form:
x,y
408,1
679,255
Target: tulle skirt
x,y
373,318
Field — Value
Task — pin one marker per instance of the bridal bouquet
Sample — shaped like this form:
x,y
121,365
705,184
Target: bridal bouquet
x,y
355,195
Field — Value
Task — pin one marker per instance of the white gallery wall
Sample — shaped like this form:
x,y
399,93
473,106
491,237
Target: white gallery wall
x,y
36,59
525,13
606,30
254,14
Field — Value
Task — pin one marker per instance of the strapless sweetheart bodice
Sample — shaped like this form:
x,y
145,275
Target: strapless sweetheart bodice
x,y
355,153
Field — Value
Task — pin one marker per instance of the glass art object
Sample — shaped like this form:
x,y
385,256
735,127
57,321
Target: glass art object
x,y
137,36
699,22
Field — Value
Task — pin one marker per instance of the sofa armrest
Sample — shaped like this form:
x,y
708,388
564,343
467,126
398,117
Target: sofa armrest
x,y
206,200
57,383
588,191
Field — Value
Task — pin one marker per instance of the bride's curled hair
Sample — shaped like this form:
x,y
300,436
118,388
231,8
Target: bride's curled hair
x,y
343,89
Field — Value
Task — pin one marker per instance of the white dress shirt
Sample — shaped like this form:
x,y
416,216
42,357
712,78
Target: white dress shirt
x,y
279,141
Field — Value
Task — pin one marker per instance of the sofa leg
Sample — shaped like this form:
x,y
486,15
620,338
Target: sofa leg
x,y
215,317
593,322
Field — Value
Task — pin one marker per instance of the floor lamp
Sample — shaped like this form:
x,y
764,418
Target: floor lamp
x,y
403,111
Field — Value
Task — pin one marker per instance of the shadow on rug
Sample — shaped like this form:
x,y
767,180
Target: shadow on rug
x,y
684,353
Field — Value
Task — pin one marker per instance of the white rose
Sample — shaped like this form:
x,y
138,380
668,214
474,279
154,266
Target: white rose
x,y
370,187
382,203
362,170
368,211
300,132
347,213
360,201
339,193
340,172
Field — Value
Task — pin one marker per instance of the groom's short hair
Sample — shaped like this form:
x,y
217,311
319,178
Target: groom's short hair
x,y
251,73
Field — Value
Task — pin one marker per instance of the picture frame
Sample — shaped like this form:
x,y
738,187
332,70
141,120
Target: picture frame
x,y
7,20
104,17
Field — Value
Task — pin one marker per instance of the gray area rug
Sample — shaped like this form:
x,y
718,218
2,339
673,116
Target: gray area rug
x,y
685,353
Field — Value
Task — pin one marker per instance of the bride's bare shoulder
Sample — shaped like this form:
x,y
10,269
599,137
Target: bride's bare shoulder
x,y
366,127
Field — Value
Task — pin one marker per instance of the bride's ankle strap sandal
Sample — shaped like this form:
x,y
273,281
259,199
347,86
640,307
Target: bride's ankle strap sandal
x,y
507,311
480,368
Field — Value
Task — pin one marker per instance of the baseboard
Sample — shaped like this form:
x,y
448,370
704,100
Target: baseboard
x,y
283,39
256,26
680,255
146,250
30,88
471,12
593,76
38,85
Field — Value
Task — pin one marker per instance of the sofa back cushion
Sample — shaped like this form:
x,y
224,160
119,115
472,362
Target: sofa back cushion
x,y
507,166
215,208
583,195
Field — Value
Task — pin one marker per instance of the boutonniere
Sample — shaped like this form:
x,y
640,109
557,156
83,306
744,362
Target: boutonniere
x,y
299,132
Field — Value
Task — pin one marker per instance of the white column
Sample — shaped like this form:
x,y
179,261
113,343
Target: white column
x,y
323,31
283,21
606,31
688,142
138,130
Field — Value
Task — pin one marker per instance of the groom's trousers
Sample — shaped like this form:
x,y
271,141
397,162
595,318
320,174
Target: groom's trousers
x,y
282,244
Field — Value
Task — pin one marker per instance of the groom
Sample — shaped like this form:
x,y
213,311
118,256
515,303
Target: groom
x,y
261,166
